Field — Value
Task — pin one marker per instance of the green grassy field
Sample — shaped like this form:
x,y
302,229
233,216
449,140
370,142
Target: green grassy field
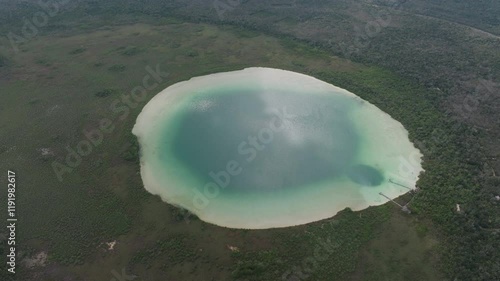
x,y
60,85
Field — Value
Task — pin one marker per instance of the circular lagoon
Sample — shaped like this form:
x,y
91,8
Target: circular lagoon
x,y
263,148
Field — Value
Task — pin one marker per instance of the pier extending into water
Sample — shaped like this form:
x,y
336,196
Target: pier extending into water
x,y
405,207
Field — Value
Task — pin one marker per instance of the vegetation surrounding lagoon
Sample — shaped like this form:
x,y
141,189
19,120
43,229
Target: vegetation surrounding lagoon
x,y
64,81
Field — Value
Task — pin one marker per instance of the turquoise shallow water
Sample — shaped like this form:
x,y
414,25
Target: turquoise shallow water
x,y
262,148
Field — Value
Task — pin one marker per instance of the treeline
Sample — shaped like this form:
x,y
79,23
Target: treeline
x,y
438,56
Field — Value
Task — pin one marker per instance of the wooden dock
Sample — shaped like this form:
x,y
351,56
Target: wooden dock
x,y
403,208
391,181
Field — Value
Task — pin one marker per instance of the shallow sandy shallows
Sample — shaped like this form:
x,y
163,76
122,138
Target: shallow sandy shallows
x,y
262,148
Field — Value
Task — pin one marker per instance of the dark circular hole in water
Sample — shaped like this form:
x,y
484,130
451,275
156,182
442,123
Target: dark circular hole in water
x,y
365,175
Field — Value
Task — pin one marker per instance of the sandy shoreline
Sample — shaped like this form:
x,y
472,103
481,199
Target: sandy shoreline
x,y
389,150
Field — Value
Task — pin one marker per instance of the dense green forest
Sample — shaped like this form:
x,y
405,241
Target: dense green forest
x,y
432,65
